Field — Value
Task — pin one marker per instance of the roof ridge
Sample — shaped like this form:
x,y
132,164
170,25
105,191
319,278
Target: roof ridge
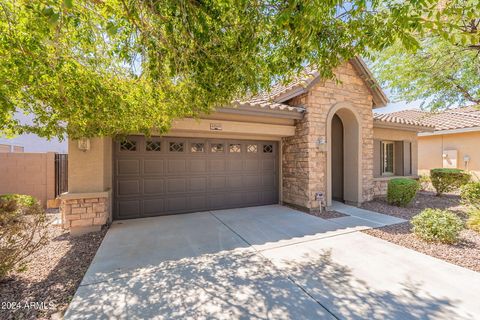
x,y
468,114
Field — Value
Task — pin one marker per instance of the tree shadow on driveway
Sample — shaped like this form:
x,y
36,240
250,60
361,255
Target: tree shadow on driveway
x,y
240,285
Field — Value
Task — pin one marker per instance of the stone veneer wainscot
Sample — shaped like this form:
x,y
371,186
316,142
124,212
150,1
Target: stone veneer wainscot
x,y
84,212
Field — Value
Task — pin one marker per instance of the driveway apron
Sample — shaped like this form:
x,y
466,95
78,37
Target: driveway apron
x,y
268,262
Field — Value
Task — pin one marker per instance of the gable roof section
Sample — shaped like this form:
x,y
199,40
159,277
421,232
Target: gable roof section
x,y
452,119
310,76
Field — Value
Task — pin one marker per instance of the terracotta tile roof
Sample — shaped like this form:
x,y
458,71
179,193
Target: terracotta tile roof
x,y
389,118
458,118
302,81
268,105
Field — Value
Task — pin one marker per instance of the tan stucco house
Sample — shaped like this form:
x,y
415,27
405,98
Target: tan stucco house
x,y
310,136
455,142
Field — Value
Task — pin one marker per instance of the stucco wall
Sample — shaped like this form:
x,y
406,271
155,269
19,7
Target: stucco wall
x,y
305,163
397,135
430,150
90,171
28,173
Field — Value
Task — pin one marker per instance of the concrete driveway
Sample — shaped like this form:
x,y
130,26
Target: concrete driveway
x,y
267,262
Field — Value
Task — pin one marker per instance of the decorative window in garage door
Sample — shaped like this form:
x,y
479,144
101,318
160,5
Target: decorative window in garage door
x,y
267,148
197,147
153,146
176,147
235,148
252,148
128,145
216,147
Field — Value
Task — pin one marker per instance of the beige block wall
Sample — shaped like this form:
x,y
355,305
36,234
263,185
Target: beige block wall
x,y
28,173
430,150
304,163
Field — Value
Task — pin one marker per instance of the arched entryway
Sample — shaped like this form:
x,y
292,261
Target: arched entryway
x,y
344,155
337,159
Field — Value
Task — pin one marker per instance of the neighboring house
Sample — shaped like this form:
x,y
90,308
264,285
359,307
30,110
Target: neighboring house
x,y
5,148
311,136
32,142
455,143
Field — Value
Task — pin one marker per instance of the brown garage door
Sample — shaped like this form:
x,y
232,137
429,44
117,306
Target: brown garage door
x,y
158,176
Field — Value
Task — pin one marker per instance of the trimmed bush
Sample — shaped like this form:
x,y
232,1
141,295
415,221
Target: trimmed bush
x,y
401,191
470,194
473,221
22,231
435,225
445,180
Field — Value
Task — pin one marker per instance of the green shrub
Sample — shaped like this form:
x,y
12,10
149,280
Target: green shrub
x,y
401,191
22,231
470,194
435,225
424,182
473,221
445,180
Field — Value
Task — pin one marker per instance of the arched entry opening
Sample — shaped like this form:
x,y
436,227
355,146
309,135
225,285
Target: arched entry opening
x,y
344,155
337,159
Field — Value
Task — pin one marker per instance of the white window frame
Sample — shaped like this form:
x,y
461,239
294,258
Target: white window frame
x,y
383,159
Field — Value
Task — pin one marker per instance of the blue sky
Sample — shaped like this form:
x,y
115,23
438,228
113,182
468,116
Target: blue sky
x,y
397,106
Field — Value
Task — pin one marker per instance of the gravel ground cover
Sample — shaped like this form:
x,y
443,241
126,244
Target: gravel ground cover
x,y
465,253
46,288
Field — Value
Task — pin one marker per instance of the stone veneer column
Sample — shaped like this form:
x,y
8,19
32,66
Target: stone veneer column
x,y
85,212
304,163
380,187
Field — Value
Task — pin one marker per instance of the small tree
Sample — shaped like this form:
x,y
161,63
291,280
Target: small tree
x,y
22,231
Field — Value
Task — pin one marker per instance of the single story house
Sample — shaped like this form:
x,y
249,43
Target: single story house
x,y
455,142
308,138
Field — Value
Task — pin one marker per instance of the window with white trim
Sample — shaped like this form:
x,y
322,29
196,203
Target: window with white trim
x,y
388,158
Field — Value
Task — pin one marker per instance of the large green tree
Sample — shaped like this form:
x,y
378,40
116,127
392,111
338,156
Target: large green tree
x,y
104,67
444,69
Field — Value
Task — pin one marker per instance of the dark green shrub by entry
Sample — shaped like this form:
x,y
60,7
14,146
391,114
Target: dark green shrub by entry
x,y
435,225
401,191
445,180
23,231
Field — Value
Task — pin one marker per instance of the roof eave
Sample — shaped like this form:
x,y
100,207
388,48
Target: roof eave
x,y
380,99
290,94
449,131
258,111
401,126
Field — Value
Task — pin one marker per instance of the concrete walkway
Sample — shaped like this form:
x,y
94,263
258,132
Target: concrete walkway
x,y
357,215
267,262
